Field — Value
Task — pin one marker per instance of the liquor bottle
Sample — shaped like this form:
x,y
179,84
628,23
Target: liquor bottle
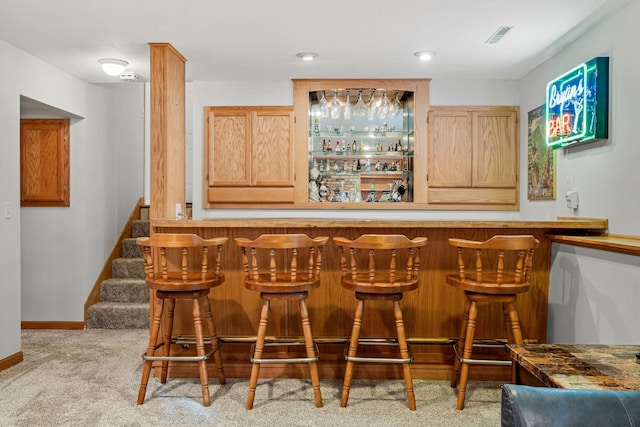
x,y
354,146
367,166
337,145
358,166
329,146
361,148
324,145
316,126
357,197
344,146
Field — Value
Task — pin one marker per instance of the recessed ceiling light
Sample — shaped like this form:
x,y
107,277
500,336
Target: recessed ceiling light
x,y
113,67
425,55
307,56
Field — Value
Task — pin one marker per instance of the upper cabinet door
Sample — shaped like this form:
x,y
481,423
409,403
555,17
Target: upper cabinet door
x,y
272,147
44,162
229,153
450,149
495,147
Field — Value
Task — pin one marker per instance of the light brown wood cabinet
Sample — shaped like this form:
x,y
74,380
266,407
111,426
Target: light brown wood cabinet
x,y
44,162
249,156
473,157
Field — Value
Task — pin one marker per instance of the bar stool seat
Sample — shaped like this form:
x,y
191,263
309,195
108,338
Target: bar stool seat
x,y
177,267
379,267
498,271
282,267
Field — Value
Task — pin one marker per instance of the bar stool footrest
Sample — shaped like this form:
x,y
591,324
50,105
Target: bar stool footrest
x,y
285,359
181,341
378,342
482,361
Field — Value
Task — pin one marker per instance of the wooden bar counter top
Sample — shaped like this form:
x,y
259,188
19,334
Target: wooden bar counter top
x,y
432,313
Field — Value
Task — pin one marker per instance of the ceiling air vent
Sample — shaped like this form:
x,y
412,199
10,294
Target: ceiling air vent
x,y
500,32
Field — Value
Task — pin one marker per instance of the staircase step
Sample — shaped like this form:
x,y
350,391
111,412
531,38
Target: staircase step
x,y
122,268
117,315
124,290
131,249
140,228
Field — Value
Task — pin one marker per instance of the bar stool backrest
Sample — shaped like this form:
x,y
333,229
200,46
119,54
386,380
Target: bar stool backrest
x,y
492,262
281,259
380,259
170,257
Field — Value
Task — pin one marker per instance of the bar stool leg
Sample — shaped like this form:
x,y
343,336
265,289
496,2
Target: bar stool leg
x,y
214,338
257,354
515,323
468,349
515,334
168,331
507,322
404,354
308,341
455,377
153,337
353,347
200,351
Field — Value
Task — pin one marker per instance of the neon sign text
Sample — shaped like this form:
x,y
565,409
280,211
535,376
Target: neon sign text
x,y
577,104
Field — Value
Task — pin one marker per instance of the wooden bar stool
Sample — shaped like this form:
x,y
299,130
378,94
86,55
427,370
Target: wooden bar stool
x,y
282,267
379,267
177,267
498,271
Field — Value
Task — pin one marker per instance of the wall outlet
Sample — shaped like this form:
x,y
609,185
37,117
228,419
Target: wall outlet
x,y
572,199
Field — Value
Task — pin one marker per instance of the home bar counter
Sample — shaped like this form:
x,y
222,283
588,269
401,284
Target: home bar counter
x,y
432,313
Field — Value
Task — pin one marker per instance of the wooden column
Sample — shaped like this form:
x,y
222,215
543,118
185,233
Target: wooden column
x,y
167,130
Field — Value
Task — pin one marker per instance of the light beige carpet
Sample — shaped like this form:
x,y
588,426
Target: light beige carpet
x,y
91,378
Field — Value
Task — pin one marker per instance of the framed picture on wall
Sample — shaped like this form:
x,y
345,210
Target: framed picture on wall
x,y
541,165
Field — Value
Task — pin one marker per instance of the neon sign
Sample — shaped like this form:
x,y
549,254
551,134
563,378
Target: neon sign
x,y
577,106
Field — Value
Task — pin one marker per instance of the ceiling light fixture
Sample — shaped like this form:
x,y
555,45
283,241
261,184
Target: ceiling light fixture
x,y
113,67
425,55
307,56
500,33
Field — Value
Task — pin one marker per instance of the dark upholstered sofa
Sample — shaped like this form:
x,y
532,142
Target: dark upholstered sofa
x,y
540,406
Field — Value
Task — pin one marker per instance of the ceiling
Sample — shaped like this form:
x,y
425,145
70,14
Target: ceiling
x,y
259,39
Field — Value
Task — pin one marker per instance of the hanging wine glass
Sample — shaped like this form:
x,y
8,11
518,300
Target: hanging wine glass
x,y
371,110
396,106
360,109
347,106
383,107
323,104
335,106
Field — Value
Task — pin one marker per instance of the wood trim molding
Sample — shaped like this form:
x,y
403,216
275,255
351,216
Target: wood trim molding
x,y
52,325
10,361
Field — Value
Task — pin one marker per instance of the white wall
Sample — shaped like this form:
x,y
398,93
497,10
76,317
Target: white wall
x,y
9,193
50,257
591,290
64,249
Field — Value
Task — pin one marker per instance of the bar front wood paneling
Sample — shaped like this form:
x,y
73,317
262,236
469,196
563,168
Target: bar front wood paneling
x,y
432,312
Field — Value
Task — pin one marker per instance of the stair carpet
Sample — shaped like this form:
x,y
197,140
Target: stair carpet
x,y
124,299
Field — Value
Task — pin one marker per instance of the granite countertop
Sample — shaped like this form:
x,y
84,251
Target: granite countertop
x,y
613,367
